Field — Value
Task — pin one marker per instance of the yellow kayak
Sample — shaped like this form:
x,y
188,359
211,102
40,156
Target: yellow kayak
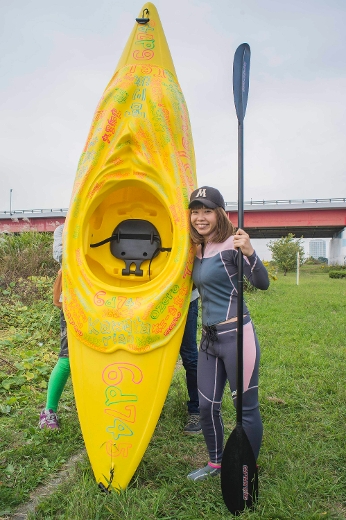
x,y
127,254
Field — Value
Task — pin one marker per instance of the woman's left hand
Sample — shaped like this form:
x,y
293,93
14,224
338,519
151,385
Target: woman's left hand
x,y
242,240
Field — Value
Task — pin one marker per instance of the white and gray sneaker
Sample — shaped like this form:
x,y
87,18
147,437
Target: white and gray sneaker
x,y
203,473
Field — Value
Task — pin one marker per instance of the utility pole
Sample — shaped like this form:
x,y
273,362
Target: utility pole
x,y
11,201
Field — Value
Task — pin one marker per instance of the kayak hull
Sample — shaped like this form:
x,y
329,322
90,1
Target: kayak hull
x,y
127,256
119,405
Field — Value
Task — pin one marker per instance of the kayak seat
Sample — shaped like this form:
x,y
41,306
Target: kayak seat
x,y
134,241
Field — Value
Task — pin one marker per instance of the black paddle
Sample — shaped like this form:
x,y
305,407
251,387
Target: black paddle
x,y
239,481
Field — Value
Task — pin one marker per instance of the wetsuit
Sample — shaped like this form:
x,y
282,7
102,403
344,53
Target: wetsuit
x,y
215,275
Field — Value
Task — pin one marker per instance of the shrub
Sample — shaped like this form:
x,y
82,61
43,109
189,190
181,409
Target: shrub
x,y
284,252
25,262
272,270
337,274
26,254
312,261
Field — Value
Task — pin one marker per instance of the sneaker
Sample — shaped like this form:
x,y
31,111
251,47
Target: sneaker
x,y
193,425
48,419
203,473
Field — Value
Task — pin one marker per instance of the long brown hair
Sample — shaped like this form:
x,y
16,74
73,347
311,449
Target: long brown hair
x,y
224,227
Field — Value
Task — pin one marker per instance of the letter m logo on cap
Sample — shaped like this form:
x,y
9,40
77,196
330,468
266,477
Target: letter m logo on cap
x,y
201,193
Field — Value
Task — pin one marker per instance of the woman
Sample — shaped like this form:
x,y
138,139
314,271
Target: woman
x,y
215,274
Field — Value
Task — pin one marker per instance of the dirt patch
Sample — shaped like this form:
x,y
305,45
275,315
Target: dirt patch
x,y
66,472
7,366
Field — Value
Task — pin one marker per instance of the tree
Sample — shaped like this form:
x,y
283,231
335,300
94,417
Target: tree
x,y
284,252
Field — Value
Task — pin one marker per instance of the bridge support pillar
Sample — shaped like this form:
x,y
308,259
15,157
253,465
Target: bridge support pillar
x,y
337,249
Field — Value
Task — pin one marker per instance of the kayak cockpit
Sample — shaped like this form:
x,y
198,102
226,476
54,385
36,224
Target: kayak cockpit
x,y
134,241
128,237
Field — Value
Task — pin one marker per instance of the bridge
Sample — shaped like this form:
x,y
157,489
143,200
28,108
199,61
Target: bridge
x,y
308,218
20,220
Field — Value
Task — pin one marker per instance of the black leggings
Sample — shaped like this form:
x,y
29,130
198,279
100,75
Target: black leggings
x,y
218,363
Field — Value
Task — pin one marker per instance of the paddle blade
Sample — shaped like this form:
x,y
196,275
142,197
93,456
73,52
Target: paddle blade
x,y
241,74
239,478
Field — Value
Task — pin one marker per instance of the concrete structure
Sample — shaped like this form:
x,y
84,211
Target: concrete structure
x,y
337,249
317,249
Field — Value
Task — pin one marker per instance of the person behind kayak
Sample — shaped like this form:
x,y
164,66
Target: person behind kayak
x,y
61,371
215,273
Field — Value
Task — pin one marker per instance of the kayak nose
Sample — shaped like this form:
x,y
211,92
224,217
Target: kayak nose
x,y
143,20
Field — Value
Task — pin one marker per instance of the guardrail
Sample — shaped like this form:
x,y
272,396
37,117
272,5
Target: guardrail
x,y
44,212
288,201
277,202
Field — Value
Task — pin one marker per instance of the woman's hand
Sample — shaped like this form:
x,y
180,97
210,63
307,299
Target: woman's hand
x,y
242,241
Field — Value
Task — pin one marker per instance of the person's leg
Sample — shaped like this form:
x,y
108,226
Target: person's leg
x,y
252,422
57,381
222,367
211,383
189,356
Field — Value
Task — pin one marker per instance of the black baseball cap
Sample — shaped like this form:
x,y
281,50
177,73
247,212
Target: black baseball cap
x,y
209,197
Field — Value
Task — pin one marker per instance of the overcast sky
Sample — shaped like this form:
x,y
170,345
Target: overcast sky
x,y
58,56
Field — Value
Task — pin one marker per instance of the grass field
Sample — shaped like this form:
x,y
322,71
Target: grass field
x,y
302,472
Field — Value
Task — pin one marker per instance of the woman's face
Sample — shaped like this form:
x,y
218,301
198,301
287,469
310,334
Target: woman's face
x,y
204,221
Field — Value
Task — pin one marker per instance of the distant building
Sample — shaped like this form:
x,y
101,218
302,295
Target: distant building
x,y
317,248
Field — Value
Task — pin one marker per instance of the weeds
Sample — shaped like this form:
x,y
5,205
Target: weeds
x,y
29,342
23,256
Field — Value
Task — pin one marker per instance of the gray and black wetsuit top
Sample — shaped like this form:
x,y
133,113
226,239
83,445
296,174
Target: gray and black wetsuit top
x,y
215,276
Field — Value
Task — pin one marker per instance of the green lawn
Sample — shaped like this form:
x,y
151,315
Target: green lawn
x,y
302,472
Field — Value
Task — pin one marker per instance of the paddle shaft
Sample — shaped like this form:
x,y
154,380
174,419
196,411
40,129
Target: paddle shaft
x,y
240,363
241,67
239,482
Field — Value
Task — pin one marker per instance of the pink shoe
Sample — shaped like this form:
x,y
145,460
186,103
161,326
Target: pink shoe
x,y
48,419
